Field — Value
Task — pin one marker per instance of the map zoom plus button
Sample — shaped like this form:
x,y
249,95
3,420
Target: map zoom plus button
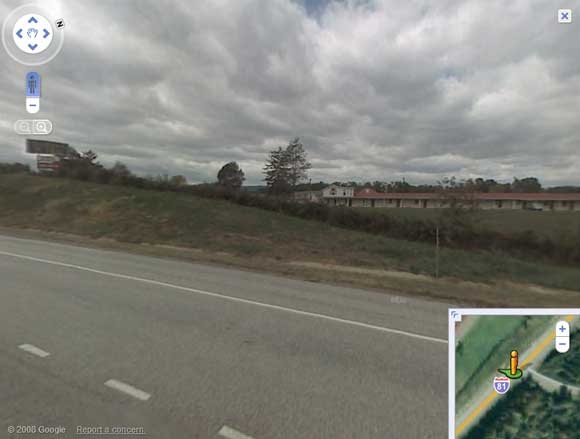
x,y
562,329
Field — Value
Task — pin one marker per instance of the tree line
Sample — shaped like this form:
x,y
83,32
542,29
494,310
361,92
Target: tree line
x,y
456,229
286,169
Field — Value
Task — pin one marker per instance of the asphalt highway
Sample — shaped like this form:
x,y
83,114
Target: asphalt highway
x,y
93,340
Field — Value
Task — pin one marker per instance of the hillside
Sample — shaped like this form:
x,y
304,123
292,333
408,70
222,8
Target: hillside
x,y
223,232
557,226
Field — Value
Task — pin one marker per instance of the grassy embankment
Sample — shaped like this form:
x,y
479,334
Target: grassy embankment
x,y
219,231
558,226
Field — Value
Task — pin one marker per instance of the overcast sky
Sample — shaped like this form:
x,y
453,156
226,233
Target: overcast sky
x,y
377,89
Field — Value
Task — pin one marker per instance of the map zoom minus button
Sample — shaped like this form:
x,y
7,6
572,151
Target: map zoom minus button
x,y
562,344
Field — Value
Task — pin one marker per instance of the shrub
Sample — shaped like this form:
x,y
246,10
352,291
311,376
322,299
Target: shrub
x,y
14,168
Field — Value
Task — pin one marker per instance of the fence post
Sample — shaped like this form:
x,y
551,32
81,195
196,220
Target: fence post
x,y
437,253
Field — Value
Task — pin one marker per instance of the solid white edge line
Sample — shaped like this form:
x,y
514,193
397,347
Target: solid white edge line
x,y
231,298
34,350
128,389
230,433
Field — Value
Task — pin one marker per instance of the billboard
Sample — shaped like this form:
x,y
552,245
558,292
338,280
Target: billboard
x,y
34,146
47,162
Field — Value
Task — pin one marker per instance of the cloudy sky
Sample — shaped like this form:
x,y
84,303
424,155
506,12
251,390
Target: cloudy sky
x,y
376,89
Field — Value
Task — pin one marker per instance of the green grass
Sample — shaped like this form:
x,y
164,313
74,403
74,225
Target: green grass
x,y
487,345
140,216
480,342
556,226
565,367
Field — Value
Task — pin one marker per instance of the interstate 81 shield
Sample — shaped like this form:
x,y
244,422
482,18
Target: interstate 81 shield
x,y
501,385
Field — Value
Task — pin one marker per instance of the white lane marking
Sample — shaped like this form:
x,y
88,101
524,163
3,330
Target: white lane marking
x,y
34,350
128,389
230,433
231,298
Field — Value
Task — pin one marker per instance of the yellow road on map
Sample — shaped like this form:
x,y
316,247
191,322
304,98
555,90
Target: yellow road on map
x,y
493,395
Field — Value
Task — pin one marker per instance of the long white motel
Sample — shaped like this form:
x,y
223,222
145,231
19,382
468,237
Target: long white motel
x,y
335,195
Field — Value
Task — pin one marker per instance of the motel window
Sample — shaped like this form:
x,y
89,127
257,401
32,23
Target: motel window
x,y
499,203
416,201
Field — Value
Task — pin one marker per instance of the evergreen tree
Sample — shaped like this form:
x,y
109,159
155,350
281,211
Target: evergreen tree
x,y
276,171
297,162
286,167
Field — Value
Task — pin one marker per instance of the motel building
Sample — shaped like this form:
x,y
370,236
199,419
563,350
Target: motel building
x,y
335,195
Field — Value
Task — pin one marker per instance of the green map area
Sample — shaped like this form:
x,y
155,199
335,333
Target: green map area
x,y
486,346
529,412
544,404
565,367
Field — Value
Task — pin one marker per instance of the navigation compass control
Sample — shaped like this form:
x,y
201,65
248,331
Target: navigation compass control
x,y
32,33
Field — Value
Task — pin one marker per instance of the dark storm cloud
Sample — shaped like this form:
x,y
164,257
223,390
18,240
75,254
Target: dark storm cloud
x,y
377,89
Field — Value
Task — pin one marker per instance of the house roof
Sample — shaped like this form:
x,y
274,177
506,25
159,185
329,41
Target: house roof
x,y
371,194
368,193
544,196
